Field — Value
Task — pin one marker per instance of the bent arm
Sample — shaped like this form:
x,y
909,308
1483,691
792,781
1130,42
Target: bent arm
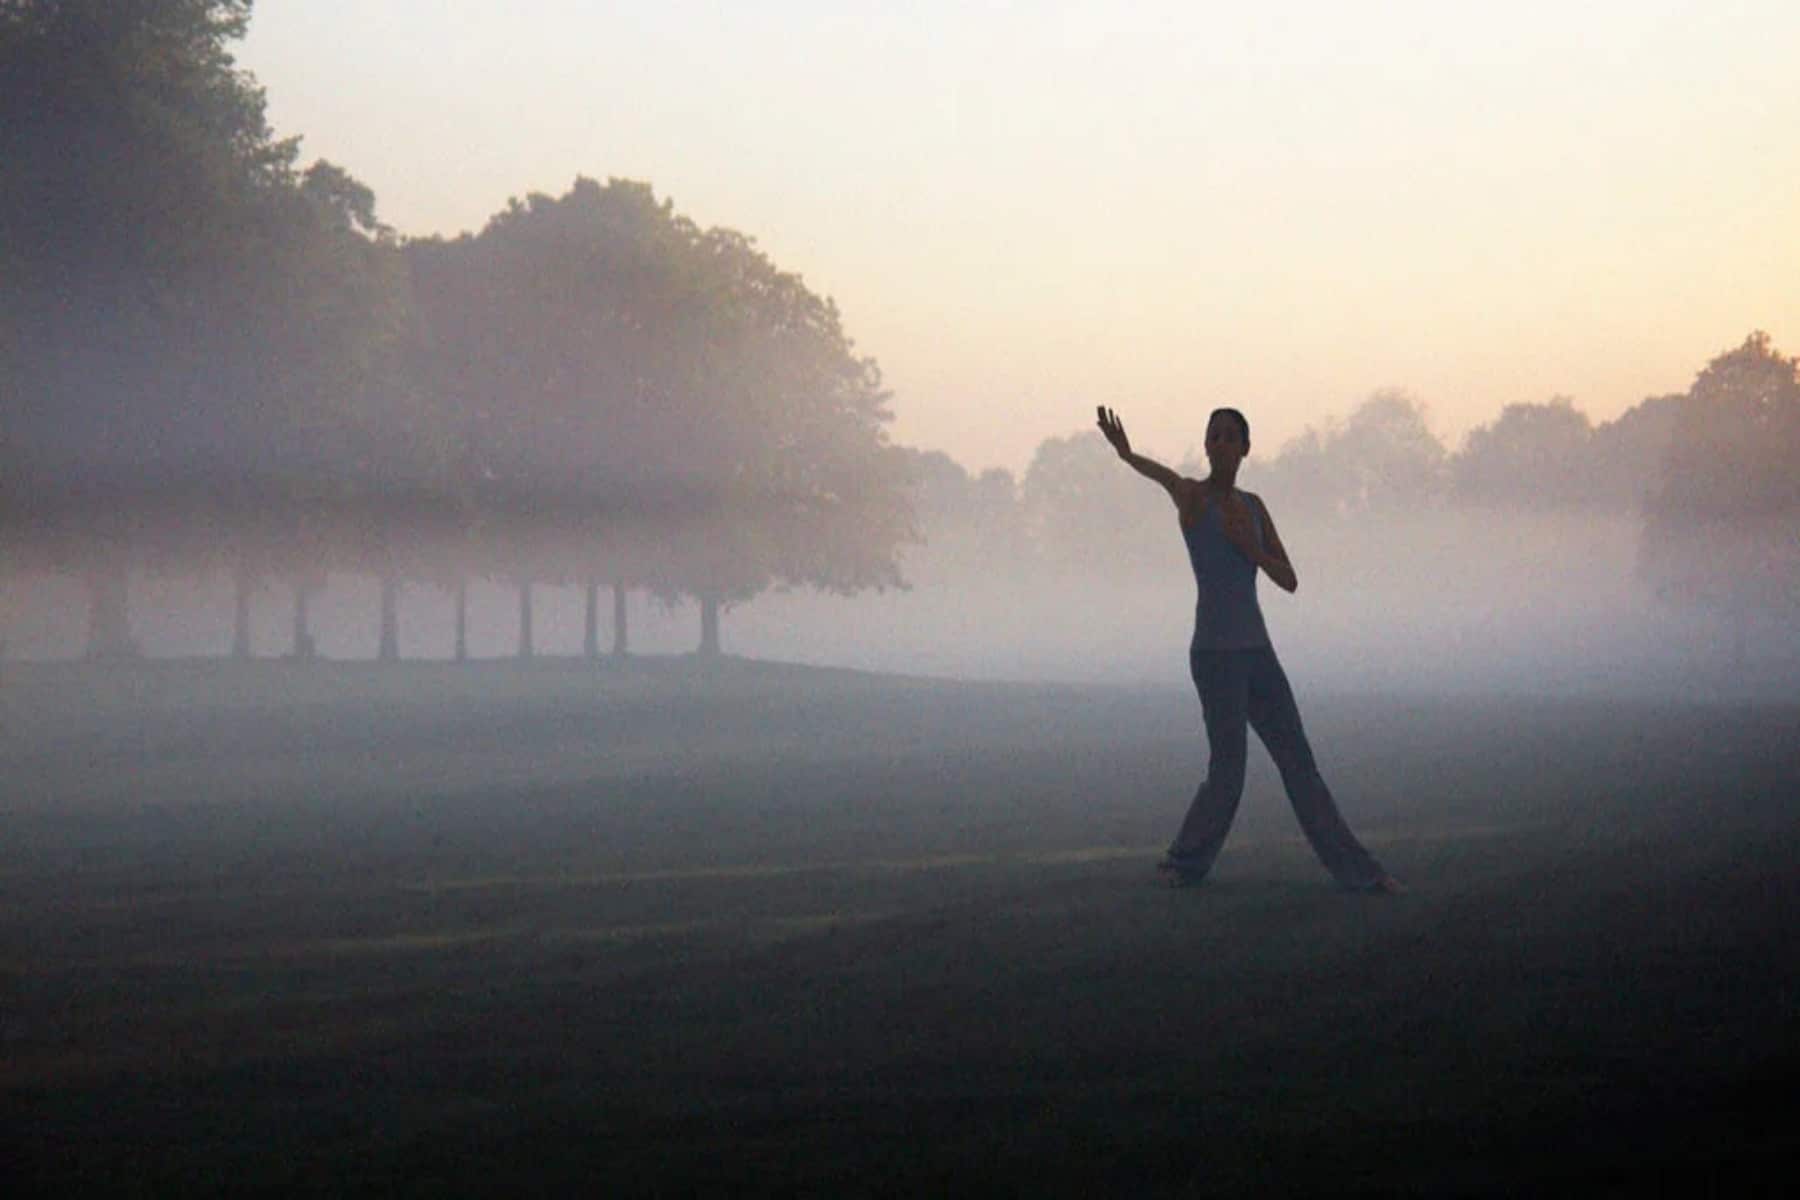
x,y
1273,557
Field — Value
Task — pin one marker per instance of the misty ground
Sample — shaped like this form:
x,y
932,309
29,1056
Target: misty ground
x,y
501,927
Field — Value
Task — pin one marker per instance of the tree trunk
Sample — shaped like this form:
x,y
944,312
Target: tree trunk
x,y
240,613
525,646
389,649
590,640
109,620
709,625
303,641
621,644
462,620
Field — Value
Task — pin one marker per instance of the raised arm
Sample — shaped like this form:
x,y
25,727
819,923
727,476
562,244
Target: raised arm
x,y
1149,468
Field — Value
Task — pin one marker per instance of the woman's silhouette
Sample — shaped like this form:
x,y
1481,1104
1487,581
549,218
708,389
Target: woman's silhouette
x,y
1230,538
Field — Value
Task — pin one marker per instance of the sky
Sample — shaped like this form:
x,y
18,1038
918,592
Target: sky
x,y
1023,210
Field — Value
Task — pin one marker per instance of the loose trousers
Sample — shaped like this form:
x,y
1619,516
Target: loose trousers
x,y
1240,688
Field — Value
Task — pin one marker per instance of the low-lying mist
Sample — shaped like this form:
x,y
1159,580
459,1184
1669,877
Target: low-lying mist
x,y
1452,600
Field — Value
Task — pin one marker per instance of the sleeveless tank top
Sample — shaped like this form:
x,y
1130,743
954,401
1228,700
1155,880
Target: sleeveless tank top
x,y
1226,614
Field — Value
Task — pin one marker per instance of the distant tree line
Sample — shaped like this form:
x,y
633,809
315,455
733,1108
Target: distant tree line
x,y
212,358
1711,476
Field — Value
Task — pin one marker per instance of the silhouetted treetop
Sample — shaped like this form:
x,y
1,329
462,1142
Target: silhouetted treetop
x,y
178,299
598,350
1533,455
1383,454
1736,444
1723,528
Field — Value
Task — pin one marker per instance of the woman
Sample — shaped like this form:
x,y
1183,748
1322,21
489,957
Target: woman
x,y
1230,538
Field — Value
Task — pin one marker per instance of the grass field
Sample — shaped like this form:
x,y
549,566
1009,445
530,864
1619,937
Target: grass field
x,y
547,929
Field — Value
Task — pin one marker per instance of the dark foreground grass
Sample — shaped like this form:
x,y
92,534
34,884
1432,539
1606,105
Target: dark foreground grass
x,y
321,930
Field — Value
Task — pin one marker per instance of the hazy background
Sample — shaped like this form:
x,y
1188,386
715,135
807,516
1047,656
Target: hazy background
x,y
1027,209
1505,297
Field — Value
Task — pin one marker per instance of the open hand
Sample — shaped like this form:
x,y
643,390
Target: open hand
x,y
1114,430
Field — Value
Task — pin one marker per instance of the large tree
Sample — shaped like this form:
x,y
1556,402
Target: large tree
x,y
1722,531
548,338
799,484
702,410
177,293
188,321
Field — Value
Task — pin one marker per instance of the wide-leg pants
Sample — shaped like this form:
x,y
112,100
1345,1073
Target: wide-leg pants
x,y
1240,688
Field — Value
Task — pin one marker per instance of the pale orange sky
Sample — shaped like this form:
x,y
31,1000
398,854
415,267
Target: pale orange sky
x,y
1024,210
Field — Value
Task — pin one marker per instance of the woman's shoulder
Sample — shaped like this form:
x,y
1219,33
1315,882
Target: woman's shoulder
x,y
1190,498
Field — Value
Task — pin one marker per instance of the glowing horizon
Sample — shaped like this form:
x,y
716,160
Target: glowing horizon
x,y
1026,210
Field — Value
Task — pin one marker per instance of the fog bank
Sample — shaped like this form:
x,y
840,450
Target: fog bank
x,y
1453,600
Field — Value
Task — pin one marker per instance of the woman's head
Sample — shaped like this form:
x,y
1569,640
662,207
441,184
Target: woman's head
x,y
1227,433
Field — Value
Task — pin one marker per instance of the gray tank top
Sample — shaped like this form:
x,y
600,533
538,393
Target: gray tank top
x,y
1226,614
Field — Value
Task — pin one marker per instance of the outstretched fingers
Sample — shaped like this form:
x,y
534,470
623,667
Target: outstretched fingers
x,y
1111,427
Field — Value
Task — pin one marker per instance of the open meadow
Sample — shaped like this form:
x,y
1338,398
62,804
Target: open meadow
x,y
665,928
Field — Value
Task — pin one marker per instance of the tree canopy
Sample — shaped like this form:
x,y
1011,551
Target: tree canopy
x,y
1534,454
1382,454
1722,529
701,410
179,297
593,385
200,343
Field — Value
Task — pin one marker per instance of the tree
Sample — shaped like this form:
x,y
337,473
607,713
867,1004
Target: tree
x,y
1722,531
1531,456
965,523
549,338
793,449
187,322
1382,456
1086,512
1625,455
139,137
702,409
176,296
